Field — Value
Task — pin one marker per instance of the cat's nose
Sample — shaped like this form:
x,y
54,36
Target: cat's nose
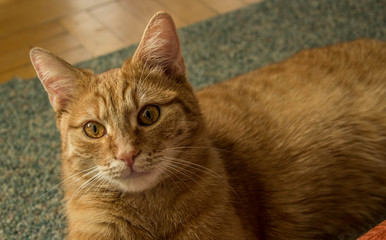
x,y
128,157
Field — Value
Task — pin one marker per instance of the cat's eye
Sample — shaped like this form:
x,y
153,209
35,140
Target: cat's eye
x,y
148,115
94,129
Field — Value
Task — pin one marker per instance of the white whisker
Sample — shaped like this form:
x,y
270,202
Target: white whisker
x,y
181,170
199,147
72,176
82,187
203,169
96,181
198,167
66,185
169,171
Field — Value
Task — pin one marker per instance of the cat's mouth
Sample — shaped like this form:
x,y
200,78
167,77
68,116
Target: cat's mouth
x,y
119,171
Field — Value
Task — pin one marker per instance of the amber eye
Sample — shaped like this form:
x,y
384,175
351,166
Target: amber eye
x,y
148,115
94,129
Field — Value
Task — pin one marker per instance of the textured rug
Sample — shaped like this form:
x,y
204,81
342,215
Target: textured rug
x,y
214,50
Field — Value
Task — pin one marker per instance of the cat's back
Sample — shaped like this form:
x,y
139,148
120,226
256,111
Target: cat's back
x,y
313,86
307,137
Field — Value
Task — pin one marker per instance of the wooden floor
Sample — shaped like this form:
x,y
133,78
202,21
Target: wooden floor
x,y
78,30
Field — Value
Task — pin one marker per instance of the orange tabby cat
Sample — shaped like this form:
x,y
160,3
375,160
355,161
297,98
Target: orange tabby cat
x,y
296,150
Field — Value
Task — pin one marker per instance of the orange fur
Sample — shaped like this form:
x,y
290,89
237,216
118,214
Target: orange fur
x,y
295,150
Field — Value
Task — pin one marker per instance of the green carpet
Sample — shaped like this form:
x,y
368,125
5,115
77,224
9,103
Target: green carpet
x,y
214,50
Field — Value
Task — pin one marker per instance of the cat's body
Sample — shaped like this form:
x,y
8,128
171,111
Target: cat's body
x,y
310,134
296,150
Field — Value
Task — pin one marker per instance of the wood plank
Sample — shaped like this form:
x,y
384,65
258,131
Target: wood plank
x,y
252,1
59,43
145,9
13,59
30,36
76,55
123,24
95,37
43,11
26,71
78,30
188,10
20,56
8,2
224,6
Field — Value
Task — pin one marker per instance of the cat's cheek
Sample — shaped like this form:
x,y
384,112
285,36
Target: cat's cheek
x,y
69,151
176,131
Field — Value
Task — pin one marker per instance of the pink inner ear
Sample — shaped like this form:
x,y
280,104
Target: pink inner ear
x,y
59,94
160,45
57,76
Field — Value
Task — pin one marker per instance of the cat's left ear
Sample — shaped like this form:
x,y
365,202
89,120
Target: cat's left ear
x,y
160,46
57,76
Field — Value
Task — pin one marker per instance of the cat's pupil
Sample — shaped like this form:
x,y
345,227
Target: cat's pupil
x,y
148,114
95,128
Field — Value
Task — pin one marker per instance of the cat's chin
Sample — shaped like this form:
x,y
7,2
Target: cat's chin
x,y
137,181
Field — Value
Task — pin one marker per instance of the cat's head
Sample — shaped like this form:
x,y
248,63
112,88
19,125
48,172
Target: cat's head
x,y
124,126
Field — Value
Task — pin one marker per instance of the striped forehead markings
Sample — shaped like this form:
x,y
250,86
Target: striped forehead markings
x,y
129,96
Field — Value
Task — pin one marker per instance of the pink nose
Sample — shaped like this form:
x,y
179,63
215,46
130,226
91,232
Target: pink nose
x,y
128,157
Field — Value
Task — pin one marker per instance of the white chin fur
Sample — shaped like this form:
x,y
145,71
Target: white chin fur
x,y
138,183
145,182
132,182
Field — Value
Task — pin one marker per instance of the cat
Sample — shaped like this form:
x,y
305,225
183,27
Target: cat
x,y
295,150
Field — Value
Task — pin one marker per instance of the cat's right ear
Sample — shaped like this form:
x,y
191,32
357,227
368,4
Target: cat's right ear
x,y
57,76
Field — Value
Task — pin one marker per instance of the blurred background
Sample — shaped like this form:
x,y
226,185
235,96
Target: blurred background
x,y
78,30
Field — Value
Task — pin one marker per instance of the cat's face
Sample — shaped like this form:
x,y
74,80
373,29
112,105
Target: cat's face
x,y
129,124
124,127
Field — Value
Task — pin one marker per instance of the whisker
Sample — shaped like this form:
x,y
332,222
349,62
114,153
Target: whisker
x,y
96,181
78,178
198,147
198,167
168,171
179,170
204,169
82,187
72,176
